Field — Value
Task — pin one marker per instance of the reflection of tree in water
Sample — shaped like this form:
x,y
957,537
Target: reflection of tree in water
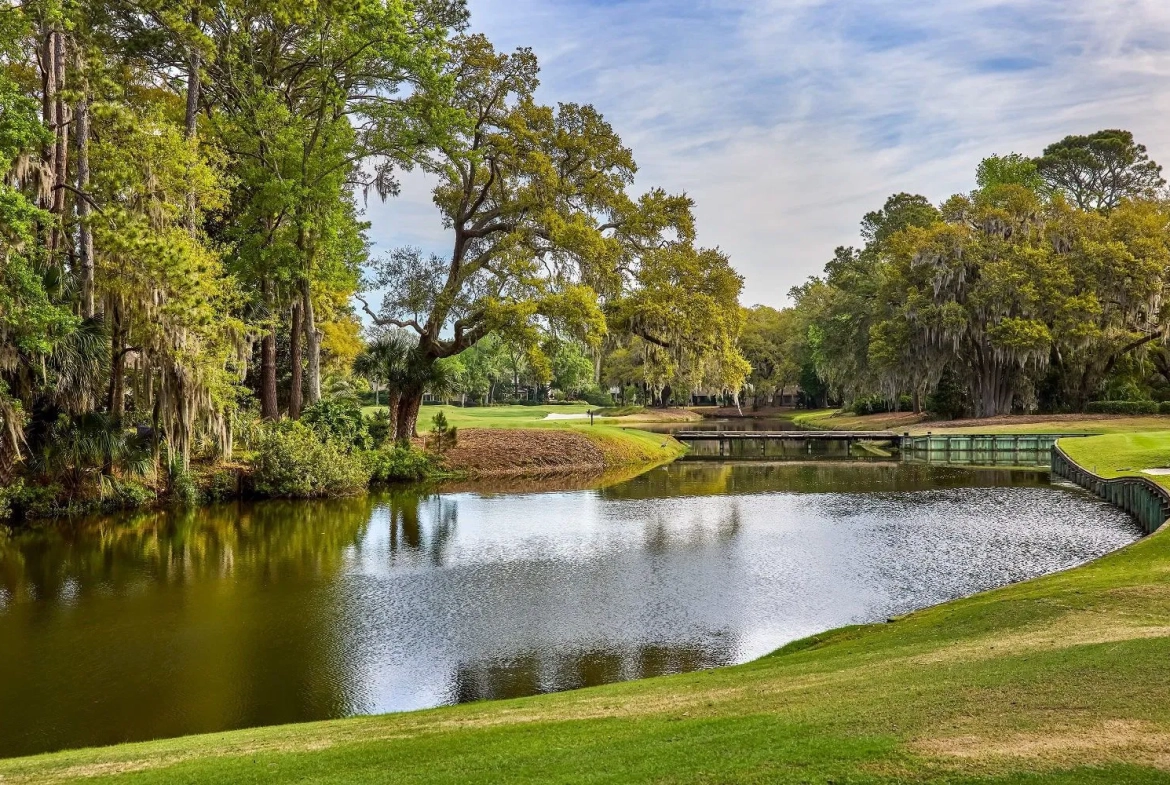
x,y
174,622
276,539
700,478
542,672
664,532
408,534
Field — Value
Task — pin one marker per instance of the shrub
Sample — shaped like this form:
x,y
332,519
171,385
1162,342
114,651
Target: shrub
x,y
218,483
378,426
400,463
1123,407
595,396
874,404
339,421
1164,407
128,495
8,493
292,460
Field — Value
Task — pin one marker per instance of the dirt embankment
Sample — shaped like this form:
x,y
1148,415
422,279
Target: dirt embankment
x,y
492,451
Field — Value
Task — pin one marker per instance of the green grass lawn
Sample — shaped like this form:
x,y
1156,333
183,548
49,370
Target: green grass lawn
x,y
1060,679
496,416
830,419
1122,454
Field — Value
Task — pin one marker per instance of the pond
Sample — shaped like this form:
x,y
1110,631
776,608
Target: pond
x,y
238,615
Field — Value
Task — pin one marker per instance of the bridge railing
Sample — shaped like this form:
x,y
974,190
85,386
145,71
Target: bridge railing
x,y
1147,501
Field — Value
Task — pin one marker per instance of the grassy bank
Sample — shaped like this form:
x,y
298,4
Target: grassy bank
x,y
918,424
1060,679
1122,454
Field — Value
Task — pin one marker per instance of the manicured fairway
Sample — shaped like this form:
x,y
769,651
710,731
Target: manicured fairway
x,y
1122,454
917,425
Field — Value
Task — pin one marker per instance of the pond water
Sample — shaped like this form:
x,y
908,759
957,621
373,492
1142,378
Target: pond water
x,y
247,614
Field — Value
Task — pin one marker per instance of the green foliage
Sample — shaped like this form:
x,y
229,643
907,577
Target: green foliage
x,y
8,493
1099,171
595,396
293,461
1023,299
340,422
1011,169
380,427
1123,407
442,436
948,401
399,463
572,371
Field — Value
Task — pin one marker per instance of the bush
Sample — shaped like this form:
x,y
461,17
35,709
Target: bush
x,y
595,396
339,421
873,404
128,495
217,484
7,494
1123,407
378,426
400,463
1164,408
293,461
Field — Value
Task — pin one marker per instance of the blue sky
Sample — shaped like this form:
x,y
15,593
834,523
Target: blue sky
x,y
787,120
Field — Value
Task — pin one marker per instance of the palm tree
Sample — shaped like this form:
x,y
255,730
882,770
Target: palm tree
x,y
387,360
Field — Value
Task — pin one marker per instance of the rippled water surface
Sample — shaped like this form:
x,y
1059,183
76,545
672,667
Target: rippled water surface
x,y
249,614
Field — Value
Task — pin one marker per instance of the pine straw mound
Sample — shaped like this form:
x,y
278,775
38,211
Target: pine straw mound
x,y
487,451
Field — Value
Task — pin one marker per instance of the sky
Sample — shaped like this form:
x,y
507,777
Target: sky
x,y
787,120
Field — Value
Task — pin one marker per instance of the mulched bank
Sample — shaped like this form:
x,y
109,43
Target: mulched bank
x,y
487,451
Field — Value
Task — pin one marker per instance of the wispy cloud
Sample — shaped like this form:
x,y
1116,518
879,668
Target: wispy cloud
x,y
787,120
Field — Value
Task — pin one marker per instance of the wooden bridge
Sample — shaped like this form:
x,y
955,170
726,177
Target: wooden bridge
x,y
779,444
1025,448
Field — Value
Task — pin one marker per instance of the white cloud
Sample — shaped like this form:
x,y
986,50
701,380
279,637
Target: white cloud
x,y
787,120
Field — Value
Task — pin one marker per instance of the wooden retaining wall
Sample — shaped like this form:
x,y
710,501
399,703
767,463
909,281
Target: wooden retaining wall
x,y
1147,501
976,442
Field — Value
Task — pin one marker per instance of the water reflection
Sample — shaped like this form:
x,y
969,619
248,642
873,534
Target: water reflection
x,y
248,614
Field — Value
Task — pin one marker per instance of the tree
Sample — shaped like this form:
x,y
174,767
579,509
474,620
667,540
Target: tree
x,y
536,201
1099,171
1010,169
311,103
684,304
572,370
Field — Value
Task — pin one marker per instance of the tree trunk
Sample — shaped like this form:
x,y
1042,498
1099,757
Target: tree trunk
x,y
296,392
48,103
85,234
312,342
61,151
408,405
392,401
269,408
116,405
191,121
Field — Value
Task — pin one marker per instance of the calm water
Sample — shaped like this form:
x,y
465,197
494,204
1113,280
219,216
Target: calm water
x,y
249,614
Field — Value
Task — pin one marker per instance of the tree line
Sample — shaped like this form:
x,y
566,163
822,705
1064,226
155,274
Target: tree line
x,y
1043,289
184,249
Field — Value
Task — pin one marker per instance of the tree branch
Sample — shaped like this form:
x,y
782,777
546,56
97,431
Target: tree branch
x,y
383,321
